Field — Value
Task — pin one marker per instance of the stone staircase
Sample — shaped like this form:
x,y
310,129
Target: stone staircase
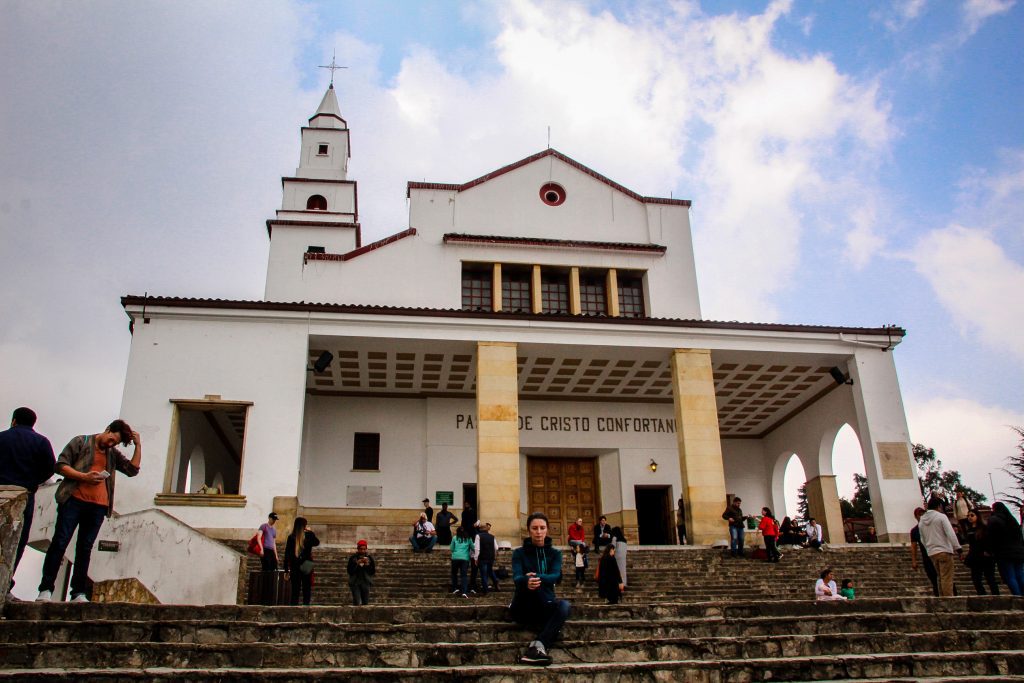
x,y
690,614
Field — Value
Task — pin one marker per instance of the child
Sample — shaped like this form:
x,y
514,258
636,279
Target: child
x,y
847,590
579,554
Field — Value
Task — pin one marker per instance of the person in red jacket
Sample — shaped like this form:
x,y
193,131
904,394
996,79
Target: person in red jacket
x,y
577,534
770,532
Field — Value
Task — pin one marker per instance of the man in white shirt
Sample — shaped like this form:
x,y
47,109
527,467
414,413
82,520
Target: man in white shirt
x,y
424,536
814,537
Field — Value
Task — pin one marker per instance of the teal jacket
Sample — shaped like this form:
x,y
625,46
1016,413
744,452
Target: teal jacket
x,y
461,548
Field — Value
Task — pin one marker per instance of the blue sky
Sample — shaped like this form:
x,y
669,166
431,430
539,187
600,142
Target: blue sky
x,y
849,163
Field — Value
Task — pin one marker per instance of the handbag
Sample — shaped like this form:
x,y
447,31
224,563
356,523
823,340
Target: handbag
x,y
306,567
256,544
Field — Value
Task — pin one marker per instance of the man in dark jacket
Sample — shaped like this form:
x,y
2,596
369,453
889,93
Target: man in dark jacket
x,y
361,568
735,517
89,465
26,460
1002,534
602,533
486,551
536,568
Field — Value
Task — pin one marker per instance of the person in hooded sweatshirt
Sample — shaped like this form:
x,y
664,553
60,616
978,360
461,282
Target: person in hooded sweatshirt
x,y
536,568
940,543
1005,543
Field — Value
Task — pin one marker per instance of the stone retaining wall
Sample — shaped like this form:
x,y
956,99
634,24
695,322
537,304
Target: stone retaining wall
x,y
12,508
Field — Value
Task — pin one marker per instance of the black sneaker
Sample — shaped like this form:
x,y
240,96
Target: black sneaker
x,y
535,655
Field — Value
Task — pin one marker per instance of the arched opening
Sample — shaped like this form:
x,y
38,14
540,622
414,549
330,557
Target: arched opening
x,y
794,478
316,202
851,483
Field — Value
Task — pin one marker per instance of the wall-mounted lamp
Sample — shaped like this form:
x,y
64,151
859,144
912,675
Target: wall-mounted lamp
x,y
653,465
840,377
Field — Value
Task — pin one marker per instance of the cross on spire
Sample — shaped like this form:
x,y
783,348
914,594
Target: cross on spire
x,y
333,66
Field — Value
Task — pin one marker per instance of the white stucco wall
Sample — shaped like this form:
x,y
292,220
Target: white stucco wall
x,y
185,357
509,206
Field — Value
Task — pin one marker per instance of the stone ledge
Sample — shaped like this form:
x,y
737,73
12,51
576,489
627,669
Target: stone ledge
x,y
222,500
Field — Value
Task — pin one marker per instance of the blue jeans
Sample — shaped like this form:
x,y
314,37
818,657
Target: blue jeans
x,y
736,534
548,616
459,572
426,543
1012,572
87,518
487,572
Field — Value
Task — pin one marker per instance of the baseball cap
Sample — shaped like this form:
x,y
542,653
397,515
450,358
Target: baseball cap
x,y
361,544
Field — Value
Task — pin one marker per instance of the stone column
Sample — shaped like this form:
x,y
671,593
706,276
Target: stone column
x,y
700,446
497,438
496,287
536,285
611,286
823,505
575,305
885,443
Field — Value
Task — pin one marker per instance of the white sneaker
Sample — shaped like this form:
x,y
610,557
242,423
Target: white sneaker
x,y
80,598
45,596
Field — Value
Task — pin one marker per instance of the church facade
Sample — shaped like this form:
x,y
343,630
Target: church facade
x,y
531,341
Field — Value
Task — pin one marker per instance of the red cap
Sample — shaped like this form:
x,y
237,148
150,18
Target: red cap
x,y
361,543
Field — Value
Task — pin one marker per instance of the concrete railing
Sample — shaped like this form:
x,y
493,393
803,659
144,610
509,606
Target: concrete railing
x,y
176,563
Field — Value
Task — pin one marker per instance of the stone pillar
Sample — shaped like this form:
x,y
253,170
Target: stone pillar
x,y
700,446
12,517
885,443
575,305
496,287
823,505
536,285
497,438
611,286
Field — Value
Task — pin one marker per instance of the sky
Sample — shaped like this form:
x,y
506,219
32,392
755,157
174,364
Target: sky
x,y
853,164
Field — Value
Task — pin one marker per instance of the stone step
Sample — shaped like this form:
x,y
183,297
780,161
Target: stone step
x,y
212,630
466,611
506,652
979,665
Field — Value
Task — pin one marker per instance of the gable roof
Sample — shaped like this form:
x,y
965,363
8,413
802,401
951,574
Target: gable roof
x,y
549,152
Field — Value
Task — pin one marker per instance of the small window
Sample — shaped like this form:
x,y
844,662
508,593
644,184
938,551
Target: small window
x,y
321,150
315,250
366,452
210,446
552,194
592,294
515,290
316,203
477,280
554,291
631,295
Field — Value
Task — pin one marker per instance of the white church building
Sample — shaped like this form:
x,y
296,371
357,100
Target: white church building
x,y
532,340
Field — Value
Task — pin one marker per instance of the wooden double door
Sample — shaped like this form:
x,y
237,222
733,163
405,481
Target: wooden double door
x,y
564,489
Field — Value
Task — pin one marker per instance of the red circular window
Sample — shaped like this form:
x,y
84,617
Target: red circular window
x,y
552,194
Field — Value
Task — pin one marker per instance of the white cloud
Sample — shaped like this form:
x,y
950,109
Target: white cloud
x,y
900,14
977,283
968,436
976,12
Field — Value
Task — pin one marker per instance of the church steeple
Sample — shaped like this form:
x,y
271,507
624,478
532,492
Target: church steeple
x,y
328,114
325,147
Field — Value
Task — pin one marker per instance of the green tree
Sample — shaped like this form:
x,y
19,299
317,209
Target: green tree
x,y
801,501
935,480
860,506
1015,468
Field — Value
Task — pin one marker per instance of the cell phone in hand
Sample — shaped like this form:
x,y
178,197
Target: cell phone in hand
x,y
104,474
